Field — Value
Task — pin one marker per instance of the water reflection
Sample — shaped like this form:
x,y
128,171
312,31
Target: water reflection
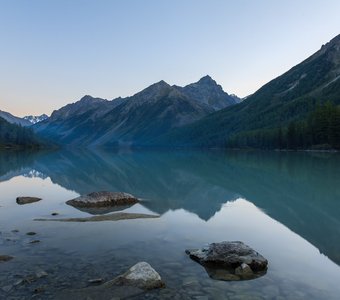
x,y
300,190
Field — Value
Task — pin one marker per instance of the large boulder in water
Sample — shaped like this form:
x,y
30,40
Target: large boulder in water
x,y
100,199
141,275
230,261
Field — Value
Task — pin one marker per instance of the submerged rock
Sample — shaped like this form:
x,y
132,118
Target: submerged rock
x,y
102,210
141,275
230,261
27,200
4,258
100,199
110,217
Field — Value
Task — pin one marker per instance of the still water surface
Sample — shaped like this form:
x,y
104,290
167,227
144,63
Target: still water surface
x,y
284,205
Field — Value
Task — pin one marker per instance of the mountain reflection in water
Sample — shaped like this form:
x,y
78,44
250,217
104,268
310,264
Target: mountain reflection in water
x,y
299,190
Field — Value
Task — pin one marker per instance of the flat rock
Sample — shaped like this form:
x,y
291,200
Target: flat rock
x,y
100,199
110,217
230,261
141,275
4,258
27,200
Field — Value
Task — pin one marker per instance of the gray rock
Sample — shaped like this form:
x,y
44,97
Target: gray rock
x,y
27,200
99,199
229,254
141,275
230,261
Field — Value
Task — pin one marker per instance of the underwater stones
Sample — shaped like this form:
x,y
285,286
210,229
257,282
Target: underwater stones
x,y
27,200
230,261
110,217
4,258
100,199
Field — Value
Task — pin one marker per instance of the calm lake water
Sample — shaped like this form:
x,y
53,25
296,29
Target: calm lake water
x,y
284,205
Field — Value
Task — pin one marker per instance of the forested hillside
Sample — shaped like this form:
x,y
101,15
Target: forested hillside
x,y
16,136
285,102
319,131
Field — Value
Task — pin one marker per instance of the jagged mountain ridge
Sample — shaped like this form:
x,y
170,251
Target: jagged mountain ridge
x,y
207,91
36,119
289,97
136,119
13,119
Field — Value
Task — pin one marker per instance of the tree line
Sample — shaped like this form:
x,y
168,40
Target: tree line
x,y
12,136
319,131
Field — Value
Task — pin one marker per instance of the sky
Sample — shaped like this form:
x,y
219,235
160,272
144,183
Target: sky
x,y
54,52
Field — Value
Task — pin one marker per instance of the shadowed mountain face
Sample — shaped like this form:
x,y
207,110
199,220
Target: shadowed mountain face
x,y
134,120
299,190
289,97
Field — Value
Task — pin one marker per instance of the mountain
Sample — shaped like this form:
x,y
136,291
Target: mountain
x,y
289,97
133,120
36,119
13,119
17,136
207,91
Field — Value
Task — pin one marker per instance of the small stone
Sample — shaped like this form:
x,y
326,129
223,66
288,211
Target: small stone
x,y
39,289
31,233
95,281
4,258
141,275
41,274
27,200
34,241
54,214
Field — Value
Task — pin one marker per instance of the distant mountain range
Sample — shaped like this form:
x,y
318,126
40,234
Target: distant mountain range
x,y
25,121
36,119
201,114
137,119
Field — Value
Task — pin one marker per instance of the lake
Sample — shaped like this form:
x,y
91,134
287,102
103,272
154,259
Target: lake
x,y
285,205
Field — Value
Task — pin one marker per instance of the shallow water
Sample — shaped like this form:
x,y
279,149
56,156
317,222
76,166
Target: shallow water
x,y
284,205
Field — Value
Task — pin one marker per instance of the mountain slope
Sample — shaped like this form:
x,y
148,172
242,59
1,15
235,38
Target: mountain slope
x,y
133,120
289,97
13,119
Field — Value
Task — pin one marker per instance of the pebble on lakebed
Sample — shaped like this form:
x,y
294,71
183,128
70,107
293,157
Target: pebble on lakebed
x,y
230,261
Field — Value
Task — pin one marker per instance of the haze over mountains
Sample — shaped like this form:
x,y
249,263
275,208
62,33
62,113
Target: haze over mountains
x,y
137,119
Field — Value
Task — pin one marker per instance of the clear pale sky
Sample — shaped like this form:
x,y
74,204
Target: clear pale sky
x,y
54,52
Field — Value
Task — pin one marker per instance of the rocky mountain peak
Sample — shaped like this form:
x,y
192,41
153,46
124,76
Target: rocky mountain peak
x,y
154,91
207,80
